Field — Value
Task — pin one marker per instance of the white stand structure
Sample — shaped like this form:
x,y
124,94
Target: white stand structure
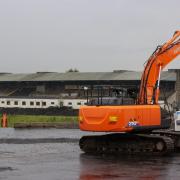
x,y
177,121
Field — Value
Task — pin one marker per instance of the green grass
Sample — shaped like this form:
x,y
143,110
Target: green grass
x,y
12,119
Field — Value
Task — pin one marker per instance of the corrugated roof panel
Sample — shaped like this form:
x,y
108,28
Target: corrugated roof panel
x,y
168,76
12,77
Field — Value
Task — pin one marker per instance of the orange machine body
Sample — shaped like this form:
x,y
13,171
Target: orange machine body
x,y
146,113
119,118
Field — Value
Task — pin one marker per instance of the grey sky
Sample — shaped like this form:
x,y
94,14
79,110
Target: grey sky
x,y
90,35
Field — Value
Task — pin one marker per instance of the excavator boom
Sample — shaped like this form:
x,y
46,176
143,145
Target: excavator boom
x,y
163,55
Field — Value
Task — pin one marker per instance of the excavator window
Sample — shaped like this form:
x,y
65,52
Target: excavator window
x,y
110,95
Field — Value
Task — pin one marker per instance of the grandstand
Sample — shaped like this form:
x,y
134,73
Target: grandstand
x,y
65,92
71,84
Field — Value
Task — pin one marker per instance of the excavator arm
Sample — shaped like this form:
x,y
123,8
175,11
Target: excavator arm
x,y
149,88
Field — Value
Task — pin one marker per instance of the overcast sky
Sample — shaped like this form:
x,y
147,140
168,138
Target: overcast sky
x,y
90,35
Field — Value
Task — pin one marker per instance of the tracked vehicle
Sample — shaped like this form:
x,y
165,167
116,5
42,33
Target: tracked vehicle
x,y
130,127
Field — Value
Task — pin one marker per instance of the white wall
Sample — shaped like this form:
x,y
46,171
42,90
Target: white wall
x,y
41,103
37,103
75,103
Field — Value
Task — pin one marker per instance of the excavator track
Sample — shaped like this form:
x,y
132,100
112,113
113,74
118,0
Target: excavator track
x,y
127,144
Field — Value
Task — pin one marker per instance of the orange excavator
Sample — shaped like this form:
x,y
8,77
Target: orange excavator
x,y
130,128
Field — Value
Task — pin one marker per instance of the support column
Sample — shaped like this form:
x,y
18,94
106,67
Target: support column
x,y
178,88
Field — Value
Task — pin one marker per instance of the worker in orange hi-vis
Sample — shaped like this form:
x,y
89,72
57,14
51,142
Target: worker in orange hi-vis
x,y
4,120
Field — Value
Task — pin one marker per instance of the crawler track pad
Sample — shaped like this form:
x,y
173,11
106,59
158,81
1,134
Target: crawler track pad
x,y
127,144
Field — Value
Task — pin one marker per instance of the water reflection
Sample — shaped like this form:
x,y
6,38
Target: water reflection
x,y
128,167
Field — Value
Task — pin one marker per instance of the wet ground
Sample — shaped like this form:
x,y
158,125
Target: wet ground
x,y
36,160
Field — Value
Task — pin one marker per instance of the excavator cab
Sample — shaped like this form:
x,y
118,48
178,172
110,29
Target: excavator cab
x,y
110,95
